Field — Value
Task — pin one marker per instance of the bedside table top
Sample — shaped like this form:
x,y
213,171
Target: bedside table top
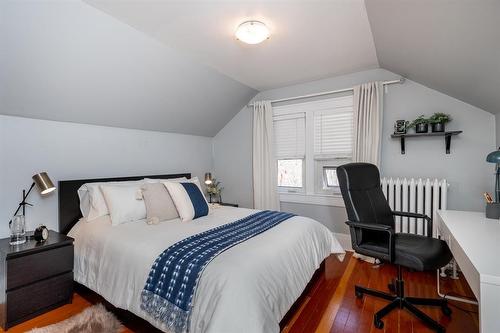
x,y
227,204
31,246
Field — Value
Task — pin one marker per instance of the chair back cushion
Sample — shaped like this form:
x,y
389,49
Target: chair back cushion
x,y
364,200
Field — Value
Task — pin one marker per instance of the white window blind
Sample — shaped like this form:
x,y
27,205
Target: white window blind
x,y
333,133
290,136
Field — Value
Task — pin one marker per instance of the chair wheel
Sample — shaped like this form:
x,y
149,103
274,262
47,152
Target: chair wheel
x,y
378,323
358,294
446,310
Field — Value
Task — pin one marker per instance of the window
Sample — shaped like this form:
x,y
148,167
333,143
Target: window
x,y
333,133
330,177
333,136
311,140
289,136
290,173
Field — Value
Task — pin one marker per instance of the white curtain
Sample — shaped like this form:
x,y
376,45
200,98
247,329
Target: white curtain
x,y
368,111
265,194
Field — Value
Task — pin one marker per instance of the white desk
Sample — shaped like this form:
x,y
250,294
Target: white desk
x,y
474,241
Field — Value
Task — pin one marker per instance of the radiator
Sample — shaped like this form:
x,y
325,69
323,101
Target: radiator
x,y
423,196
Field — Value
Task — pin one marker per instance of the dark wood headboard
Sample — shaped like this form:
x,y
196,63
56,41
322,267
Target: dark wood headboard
x,y
69,203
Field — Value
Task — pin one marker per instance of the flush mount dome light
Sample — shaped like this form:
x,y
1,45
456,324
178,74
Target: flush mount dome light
x,y
252,32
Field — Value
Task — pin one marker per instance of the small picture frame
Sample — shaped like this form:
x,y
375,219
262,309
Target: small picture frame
x,y
400,127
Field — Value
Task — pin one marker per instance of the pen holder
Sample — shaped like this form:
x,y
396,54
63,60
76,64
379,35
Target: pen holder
x,y
493,210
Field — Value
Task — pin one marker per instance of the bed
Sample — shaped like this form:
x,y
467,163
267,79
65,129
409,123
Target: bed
x,y
248,288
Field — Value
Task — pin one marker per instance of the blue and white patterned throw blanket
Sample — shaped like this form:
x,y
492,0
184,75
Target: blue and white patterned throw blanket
x,y
172,281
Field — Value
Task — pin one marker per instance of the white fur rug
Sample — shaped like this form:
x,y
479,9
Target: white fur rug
x,y
94,319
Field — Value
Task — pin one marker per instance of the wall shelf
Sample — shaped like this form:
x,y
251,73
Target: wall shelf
x,y
447,138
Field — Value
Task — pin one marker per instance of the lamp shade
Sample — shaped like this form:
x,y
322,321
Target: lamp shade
x,y
493,157
43,182
208,178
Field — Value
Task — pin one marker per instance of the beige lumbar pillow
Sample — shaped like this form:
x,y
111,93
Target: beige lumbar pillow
x,y
159,204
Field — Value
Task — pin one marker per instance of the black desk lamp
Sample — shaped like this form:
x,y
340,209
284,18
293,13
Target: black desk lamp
x,y
494,157
45,186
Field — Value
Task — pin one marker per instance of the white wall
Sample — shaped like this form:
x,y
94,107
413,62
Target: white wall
x,y
74,151
233,159
465,167
65,60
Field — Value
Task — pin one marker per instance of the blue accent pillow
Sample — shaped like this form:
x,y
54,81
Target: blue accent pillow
x,y
197,199
188,199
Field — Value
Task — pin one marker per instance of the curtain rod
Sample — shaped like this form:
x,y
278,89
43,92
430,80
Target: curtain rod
x,y
385,83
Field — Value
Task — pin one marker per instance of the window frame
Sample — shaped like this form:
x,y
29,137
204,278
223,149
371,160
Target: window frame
x,y
281,113
311,193
320,174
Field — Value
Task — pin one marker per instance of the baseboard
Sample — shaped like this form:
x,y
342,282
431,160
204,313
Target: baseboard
x,y
344,240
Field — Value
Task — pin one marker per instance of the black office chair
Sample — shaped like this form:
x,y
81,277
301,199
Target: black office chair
x,y
371,222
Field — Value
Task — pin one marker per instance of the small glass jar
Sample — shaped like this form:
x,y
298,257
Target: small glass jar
x,y
17,230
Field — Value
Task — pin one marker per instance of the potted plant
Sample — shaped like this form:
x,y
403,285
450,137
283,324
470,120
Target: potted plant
x,y
421,124
214,190
438,121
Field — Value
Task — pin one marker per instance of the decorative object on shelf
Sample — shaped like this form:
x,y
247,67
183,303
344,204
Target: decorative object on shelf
x,y
400,126
421,124
45,186
214,190
447,138
438,121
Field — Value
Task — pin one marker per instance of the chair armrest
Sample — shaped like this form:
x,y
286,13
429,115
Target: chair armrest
x,y
418,216
382,228
370,226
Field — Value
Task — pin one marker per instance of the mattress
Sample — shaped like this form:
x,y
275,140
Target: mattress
x,y
248,288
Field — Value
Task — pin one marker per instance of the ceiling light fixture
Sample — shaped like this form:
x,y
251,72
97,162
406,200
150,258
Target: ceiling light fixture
x,y
252,32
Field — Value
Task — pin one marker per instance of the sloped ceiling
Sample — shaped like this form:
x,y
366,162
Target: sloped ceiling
x,y
450,46
175,66
309,39
67,61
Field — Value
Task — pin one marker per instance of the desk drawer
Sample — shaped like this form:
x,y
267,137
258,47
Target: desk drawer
x,y
34,267
38,297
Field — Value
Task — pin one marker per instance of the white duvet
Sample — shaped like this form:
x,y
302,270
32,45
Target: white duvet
x,y
248,288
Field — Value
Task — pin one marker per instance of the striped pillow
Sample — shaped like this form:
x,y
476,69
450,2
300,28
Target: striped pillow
x,y
188,199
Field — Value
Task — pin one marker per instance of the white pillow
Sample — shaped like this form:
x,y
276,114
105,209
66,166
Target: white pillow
x,y
85,206
124,203
188,199
92,203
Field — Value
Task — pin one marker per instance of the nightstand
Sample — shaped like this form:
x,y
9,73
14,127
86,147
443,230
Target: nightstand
x,y
34,277
228,204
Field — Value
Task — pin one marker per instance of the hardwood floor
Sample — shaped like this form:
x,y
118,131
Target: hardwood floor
x,y
327,305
